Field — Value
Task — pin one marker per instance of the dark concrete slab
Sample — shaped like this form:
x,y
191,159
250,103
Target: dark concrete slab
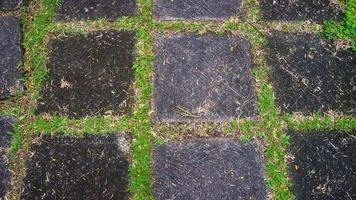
x,y
202,78
195,9
69,10
5,129
8,5
91,168
309,74
208,169
313,10
324,165
89,74
10,56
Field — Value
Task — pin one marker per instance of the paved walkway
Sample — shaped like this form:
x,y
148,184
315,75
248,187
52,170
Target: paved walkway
x,y
180,99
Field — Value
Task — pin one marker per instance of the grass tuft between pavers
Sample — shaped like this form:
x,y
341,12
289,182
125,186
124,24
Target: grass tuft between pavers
x,y
319,122
37,27
345,30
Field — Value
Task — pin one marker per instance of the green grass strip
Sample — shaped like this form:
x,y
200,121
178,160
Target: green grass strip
x,y
34,39
345,30
317,122
97,125
270,124
140,169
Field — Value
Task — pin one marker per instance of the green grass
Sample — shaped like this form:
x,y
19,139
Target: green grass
x,y
140,170
15,140
90,125
34,42
318,122
345,30
269,126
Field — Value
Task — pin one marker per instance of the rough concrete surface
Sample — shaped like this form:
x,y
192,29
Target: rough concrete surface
x,y
90,168
323,165
6,126
195,9
69,10
10,56
312,10
89,75
210,169
202,78
8,5
310,74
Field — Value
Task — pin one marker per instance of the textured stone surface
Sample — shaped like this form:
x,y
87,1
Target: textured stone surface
x,y
202,78
5,129
311,75
69,10
10,4
10,56
324,165
195,9
208,169
91,168
313,10
89,74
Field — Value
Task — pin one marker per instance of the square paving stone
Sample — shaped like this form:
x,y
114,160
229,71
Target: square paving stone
x,y
91,168
324,165
197,9
69,10
208,169
10,56
5,129
202,78
313,10
309,74
10,4
89,74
